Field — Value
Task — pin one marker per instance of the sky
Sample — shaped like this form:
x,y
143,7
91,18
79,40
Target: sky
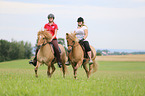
x,y
112,24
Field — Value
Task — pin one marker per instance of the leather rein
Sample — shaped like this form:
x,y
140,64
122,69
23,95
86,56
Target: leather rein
x,y
44,44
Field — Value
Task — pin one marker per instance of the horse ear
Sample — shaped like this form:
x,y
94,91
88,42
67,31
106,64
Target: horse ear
x,y
66,33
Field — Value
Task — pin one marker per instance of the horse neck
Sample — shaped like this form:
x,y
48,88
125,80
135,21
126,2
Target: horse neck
x,y
45,49
77,48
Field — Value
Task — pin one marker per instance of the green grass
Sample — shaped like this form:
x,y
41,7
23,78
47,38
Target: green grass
x,y
122,66
17,78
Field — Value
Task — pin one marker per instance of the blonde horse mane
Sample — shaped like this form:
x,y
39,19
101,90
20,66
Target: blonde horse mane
x,y
47,35
73,37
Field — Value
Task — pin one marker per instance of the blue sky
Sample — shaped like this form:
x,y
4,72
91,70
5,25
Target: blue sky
x,y
112,24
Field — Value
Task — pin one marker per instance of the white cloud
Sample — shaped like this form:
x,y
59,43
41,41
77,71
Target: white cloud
x,y
95,17
138,0
23,8
67,10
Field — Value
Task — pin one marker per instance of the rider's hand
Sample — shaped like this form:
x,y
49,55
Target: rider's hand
x,y
81,41
50,40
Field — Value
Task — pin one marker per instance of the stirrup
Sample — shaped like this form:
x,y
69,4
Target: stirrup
x,y
59,64
31,62
67,63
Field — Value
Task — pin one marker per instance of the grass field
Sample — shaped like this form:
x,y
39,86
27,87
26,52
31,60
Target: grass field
x,y
114,78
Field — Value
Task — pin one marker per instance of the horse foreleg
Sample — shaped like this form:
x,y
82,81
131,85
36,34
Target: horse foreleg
x,y
75,73
64,69
53,69
48,71
78,64
36,69
75,70
36,72
86,70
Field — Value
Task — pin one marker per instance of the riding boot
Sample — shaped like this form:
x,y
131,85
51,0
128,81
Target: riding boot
x,y
34,61
58,58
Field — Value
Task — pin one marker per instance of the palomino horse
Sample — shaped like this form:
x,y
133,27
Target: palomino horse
x,y
76,56
46,54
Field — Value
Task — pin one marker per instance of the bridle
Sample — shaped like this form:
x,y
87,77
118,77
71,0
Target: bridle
x,y
43,44
72,45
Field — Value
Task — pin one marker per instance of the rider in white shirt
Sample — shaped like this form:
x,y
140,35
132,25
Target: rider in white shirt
x,y
81,34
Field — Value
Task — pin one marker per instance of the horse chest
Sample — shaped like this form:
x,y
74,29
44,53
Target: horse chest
x,y
45,56
77,53
76,56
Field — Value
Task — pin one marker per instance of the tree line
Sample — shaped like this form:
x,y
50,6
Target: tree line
x,y
14,50
107,52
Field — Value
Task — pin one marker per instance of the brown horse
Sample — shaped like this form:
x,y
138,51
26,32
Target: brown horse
x,y
76,56
46,54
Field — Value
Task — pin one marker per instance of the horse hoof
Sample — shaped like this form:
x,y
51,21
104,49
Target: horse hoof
x,y
76,78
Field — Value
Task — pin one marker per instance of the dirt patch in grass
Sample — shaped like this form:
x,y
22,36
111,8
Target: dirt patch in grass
x,y
122,58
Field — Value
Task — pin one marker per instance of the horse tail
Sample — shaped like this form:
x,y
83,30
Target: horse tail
x,y
95,65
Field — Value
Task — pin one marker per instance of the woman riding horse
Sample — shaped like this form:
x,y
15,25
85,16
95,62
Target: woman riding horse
x,y
76,53
52,28
46,55
82,33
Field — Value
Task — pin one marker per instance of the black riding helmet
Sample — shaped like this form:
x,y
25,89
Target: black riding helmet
x,y
80,19
50,16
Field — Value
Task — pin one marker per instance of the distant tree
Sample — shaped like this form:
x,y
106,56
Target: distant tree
x,y
28,50
98,54
62,42
4,50
14,50
137,53
21,50
106,50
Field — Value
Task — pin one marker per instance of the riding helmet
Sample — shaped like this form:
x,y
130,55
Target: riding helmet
x,y
50,16
80,19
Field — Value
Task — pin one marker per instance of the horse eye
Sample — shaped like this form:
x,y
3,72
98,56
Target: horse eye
x,y
43,38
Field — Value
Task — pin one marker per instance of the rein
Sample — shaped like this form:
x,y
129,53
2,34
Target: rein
x,y
44,44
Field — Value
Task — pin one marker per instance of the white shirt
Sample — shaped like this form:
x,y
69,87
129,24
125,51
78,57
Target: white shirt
x,y
80,33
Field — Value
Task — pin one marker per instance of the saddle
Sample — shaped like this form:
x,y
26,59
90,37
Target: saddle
x,y
52,48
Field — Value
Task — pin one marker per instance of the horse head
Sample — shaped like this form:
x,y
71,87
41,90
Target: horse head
x,y
71,38
43,37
